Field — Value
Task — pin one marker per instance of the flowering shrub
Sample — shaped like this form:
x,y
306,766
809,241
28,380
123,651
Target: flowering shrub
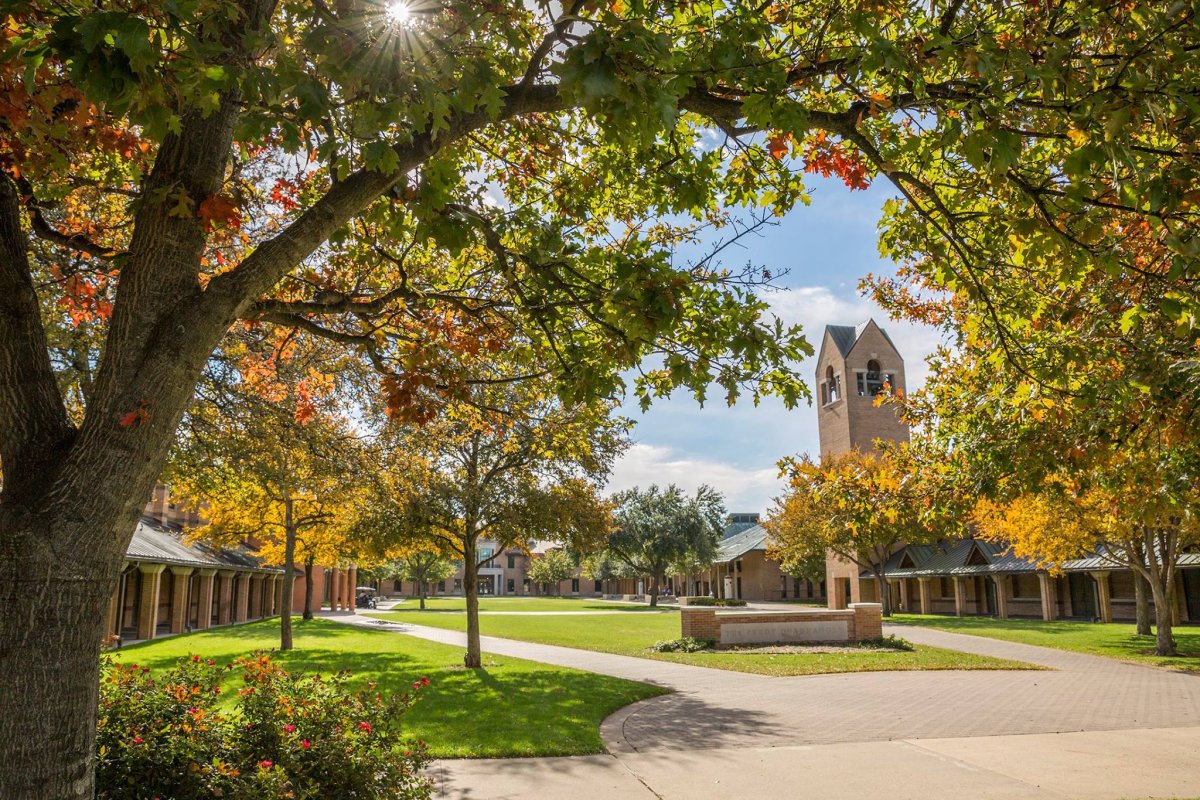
x,y
288,736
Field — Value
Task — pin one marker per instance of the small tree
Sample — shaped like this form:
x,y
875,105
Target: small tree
x,y
423,568
657,528
861,506
511,465
552,568
603,567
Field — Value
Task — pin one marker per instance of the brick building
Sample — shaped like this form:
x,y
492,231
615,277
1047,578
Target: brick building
x,y
171,585
960,576
854,365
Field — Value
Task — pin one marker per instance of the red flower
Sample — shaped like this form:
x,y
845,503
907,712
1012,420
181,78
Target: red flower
x,y
196,659
305,743
289,728
266,764
211,663
137,740
424,681
364,726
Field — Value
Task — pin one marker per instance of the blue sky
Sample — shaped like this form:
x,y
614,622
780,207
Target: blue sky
x,y
826,248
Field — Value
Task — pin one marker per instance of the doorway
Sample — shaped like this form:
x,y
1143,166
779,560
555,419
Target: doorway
x,y
1191,593
1083,595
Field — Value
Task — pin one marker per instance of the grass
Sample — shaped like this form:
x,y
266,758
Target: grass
x,y
486,604
631,634
510,708
1112,640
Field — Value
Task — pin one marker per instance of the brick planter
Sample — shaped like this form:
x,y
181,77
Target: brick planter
x,y
729,628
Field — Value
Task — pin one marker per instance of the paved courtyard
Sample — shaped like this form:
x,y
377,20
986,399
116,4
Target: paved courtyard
x,y
1084,727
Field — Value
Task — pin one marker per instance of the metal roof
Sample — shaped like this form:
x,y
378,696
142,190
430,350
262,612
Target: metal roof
x,y
737,545
980,557
163,545
846,336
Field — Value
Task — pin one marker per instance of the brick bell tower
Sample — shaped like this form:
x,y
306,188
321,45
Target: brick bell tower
x,y
854,365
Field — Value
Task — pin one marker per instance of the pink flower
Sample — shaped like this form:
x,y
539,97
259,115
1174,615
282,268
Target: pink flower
x,y
289,728
364,726
266,764
137,740
305,743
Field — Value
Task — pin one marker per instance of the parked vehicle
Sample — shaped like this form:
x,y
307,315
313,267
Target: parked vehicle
x,y
365,597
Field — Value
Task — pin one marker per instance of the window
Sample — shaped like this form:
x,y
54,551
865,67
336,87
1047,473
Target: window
x,y
511,585
512,561
1025,586
946,587
599,586
442,586
833,386
575,585
871,382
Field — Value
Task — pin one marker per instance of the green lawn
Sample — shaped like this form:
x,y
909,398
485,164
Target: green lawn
x,y
631,634
510,708
1114,640
575,604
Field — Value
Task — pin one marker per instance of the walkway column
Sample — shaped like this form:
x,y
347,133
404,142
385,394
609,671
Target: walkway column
x,y
925,593
1002,583
204,595
1103,596
242,593
111,626
148,609
269,595
179,598
352,588
225,596
960,596
335,585
1049,596
904,595
254,607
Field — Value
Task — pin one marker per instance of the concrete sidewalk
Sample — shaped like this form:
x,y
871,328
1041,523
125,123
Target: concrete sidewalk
x,y
1109,765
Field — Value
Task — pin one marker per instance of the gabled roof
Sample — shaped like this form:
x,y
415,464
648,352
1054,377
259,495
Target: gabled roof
x,y
846,336
737,545
160,544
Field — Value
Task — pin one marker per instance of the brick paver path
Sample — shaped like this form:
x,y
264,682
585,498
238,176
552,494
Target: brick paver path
x,y
919,735
719,709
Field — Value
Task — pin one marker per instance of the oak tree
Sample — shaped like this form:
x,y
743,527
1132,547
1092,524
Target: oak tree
x,y
416,186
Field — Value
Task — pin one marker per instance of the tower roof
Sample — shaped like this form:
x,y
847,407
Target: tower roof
x,y
846,336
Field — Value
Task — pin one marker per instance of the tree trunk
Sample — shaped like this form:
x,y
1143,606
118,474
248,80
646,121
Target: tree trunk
x,y
58,573
473,658
1141,592
308,587
885,594
654,591
289,577
1164,644
421,591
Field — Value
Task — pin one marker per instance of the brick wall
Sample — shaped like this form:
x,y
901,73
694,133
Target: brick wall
x,y
863,620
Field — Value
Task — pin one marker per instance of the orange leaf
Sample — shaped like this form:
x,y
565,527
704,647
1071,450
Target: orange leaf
x,y
778,145
217,211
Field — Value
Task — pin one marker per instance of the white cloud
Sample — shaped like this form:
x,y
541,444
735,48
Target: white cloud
x,y
744,489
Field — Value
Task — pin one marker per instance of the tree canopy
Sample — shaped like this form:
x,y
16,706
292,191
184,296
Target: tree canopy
x,y
660,528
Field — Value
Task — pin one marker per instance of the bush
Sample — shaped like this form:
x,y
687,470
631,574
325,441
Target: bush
x,y
891,642
288,736
687,644
714,601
